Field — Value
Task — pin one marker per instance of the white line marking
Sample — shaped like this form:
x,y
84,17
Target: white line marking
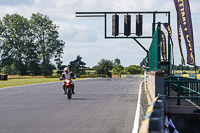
x,y
137,113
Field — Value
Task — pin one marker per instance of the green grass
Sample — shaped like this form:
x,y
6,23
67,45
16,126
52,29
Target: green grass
x,y
187,71
19,82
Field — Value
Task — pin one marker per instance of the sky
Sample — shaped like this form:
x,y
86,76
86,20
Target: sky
x,y
85,36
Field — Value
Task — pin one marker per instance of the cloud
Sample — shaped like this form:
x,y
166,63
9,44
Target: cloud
x,y
64,3
16,2
93,52
132,5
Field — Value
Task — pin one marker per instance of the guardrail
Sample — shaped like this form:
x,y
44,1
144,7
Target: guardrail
x,y
131,76
185,88
153,121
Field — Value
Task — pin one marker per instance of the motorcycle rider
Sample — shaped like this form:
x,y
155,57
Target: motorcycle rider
x,y
68,75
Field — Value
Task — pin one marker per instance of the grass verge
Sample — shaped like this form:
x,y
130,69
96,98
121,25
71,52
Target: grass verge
x,y
20,82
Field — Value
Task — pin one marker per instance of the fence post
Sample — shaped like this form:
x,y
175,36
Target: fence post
x,y
170,85
178,94
197,91
165,87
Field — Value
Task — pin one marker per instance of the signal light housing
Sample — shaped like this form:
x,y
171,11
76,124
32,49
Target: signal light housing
x,y
127,25
115,25
139,19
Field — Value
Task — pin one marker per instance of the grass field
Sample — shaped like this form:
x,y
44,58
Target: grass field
x,y
187,71
19,82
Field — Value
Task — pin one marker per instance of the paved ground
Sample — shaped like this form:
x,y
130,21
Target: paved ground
x,y
183,117
99,106
144,104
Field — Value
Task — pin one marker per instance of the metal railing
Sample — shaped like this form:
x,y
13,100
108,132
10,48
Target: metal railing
x,y
185,88
153,122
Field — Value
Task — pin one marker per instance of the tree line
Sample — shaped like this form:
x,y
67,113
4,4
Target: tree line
x,y
26,46
181,67
104,66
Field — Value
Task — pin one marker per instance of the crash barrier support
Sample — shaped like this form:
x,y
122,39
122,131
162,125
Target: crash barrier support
x,y
185,88
153,122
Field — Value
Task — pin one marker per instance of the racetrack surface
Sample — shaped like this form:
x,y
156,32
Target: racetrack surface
x,y
99,106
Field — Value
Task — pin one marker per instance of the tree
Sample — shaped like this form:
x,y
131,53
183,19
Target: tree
x,y
103,67
46,38
58,56
9,69
29,44
117,62
184,72
133,69
77,66
118,70
15,34
198,71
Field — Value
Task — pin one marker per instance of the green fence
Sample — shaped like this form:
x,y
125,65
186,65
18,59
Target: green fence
x,y
154,51
185,88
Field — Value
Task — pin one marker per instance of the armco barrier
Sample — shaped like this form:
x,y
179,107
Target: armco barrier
x,y
153,122
23,77
185,75
198,76
188,75
130,76
94,76
88,76
52,76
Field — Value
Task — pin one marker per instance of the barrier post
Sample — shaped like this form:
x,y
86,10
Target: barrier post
x,y
179,91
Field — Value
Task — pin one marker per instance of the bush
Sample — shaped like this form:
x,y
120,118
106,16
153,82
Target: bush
x,y
198,71
10,70
184,72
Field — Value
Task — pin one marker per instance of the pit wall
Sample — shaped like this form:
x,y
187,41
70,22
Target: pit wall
x,y
154,85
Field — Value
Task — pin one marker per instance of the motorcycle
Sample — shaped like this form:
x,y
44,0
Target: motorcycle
x,y
68,88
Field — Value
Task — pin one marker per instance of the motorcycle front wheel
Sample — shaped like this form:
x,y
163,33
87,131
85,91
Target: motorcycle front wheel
x,y
69,93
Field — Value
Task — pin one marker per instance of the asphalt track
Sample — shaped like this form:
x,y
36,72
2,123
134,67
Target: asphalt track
x,y
99,106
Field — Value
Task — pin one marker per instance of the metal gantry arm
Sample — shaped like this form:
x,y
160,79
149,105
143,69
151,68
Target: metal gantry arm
x,y
153,13
104,15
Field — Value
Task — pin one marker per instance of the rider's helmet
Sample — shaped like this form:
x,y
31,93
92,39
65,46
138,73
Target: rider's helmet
x,y
66,69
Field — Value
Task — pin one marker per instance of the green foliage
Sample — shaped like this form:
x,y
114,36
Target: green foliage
x,y
181,67
46,39
9,70
133,69
198,71
58,56
15,39
117,62
28,44
118,70
77,66
184,72
103,67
